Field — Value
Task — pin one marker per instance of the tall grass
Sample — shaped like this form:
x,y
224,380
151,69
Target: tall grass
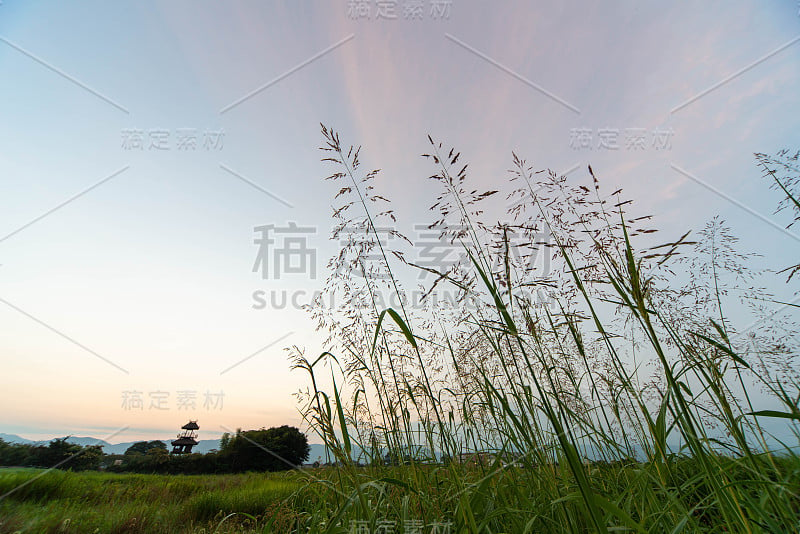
x,y
607,389
624,403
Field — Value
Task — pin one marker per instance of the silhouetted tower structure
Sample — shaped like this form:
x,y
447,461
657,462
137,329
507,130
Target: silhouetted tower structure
x,y
186,439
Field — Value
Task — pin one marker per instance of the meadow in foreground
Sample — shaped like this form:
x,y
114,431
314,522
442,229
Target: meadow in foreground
x,y
78,502
59,501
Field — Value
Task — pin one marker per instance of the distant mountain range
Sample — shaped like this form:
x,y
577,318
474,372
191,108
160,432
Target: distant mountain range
x,y
203,446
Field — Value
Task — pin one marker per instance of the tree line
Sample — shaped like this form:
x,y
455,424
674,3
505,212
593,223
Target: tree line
x,y
266,449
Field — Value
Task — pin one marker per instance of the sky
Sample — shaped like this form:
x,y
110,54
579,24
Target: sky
x,y
142,143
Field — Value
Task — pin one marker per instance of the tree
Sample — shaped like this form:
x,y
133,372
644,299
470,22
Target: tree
x,y
14,453
65,455
88,458
143,447
224,441
273,449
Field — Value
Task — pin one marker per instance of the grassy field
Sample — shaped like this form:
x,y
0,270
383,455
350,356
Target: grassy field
x,y
411,499
59,501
